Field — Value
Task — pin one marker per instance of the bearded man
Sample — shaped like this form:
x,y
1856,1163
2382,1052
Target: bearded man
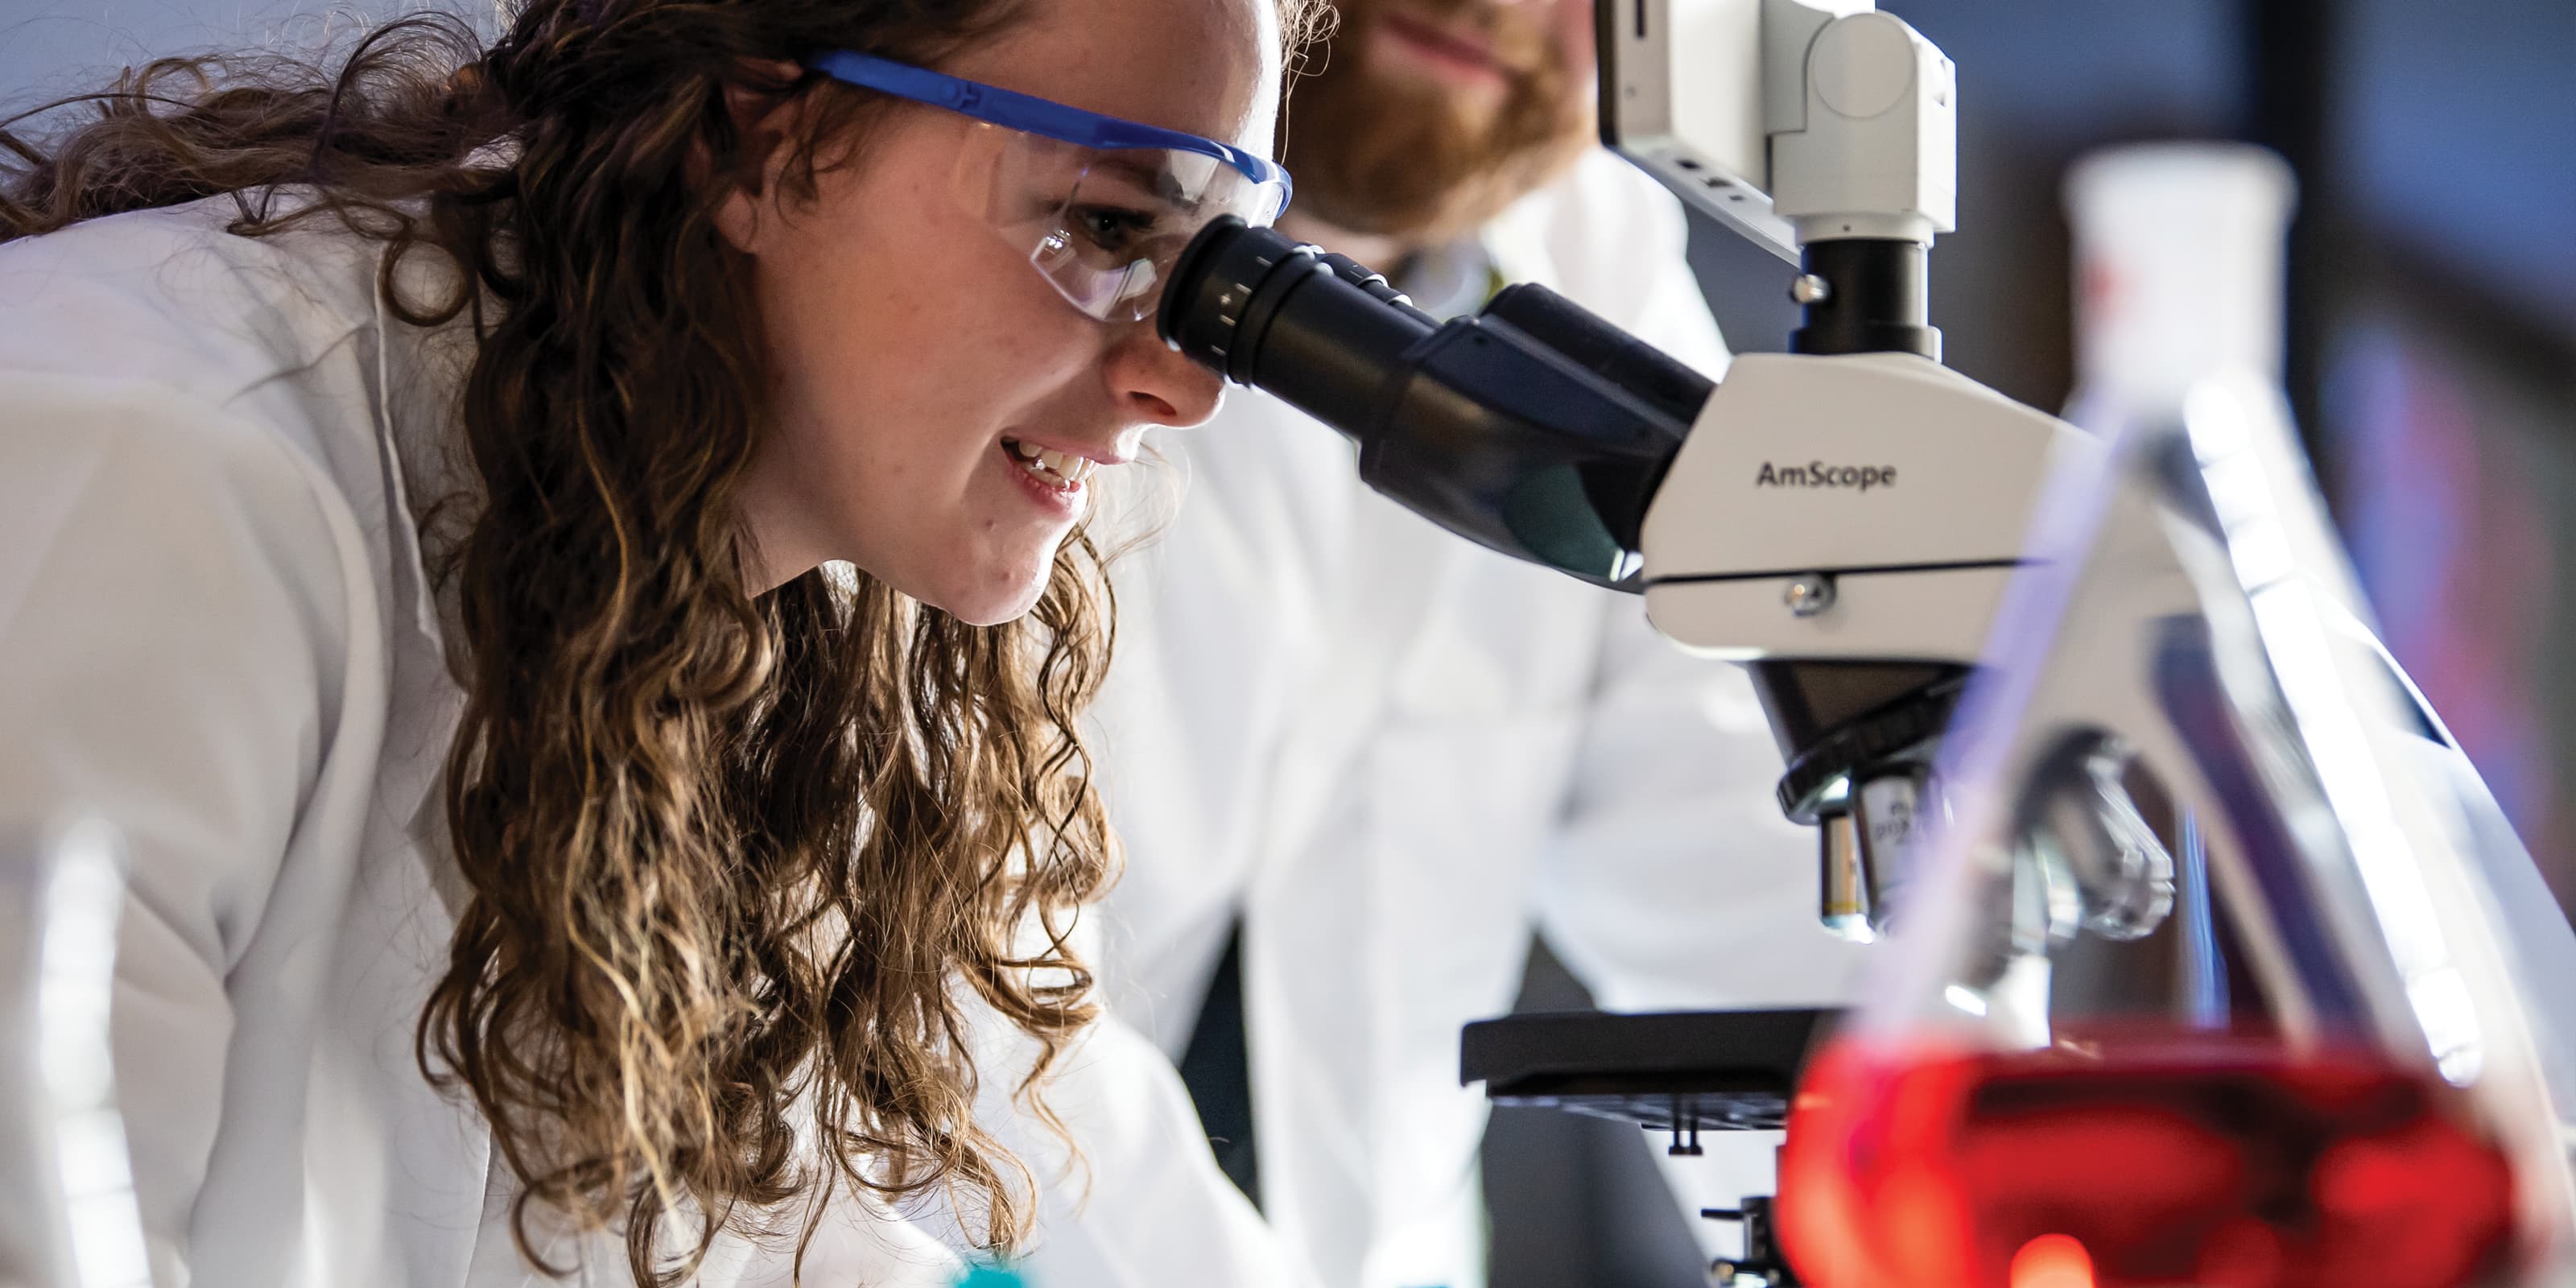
x,y
1357,762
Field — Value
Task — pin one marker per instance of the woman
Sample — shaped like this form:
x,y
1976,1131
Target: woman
x,y
564,564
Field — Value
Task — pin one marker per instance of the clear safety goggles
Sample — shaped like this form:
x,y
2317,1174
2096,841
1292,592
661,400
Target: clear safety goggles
x,y
1102,207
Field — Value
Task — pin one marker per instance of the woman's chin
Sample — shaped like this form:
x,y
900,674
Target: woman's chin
x,y
971,576
981,616
993,602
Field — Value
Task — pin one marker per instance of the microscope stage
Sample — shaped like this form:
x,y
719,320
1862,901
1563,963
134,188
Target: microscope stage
x,y
1675,1071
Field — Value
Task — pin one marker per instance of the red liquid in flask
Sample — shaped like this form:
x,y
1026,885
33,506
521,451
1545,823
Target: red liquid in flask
x,y
2185,1160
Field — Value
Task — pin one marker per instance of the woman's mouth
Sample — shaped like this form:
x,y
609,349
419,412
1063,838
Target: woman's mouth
x,y
1062,471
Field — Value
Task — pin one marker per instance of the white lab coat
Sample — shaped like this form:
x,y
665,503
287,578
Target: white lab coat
x,y
215,631
1395,753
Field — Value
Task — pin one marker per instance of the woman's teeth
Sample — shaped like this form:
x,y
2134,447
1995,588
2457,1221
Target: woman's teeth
x,y
1057,469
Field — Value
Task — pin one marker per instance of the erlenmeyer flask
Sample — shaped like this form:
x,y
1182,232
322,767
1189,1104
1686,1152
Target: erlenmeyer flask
x,y
2204,981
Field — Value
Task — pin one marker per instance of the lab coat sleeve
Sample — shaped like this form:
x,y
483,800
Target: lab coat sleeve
x,y
1674,882
1672,315
172,616
1145,1204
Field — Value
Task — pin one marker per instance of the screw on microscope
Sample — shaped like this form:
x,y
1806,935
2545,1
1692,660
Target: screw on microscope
x,y
1808,288
1809,594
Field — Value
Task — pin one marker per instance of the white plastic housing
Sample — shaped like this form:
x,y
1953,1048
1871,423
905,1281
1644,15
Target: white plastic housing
x,y
1786,120
1873,150
1918,551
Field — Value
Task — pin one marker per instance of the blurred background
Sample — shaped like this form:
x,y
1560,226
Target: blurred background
x,y
2432,362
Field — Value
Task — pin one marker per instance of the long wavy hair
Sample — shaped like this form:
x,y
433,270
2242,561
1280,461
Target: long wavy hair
x,y
742,865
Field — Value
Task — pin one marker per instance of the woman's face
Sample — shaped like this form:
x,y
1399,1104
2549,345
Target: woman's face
x,y
914,348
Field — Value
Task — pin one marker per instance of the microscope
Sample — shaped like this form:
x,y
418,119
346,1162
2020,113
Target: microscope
x,y
2108,698
1847,536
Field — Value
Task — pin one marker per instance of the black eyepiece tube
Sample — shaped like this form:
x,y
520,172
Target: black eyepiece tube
x,y
1535,428
1271,313
1646,373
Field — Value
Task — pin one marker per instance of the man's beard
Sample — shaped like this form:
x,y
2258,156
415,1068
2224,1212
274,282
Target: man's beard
x,y
1391,155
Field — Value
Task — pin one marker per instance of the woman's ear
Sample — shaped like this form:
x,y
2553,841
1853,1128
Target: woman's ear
x,y
761,120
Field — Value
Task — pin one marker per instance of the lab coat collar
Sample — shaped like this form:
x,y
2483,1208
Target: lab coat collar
x,y
1518,242
1454,279
420,372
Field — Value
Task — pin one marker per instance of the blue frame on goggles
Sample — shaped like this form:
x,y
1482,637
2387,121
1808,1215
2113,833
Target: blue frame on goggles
x,y
1109,272
1036,115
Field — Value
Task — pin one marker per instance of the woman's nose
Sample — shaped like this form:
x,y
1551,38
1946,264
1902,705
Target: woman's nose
x,y
1157,385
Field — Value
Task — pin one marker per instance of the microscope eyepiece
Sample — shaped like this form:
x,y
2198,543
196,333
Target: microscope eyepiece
x,y
1534,428
1318,330
1204,299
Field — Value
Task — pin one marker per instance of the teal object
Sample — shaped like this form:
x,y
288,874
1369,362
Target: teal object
x,y
991,1277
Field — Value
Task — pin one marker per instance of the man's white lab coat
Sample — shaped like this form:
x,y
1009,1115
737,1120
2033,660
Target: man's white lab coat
x,y
1394,753
215,633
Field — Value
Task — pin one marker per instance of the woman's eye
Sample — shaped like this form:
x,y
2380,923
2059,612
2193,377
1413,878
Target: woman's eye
x,y
1111,228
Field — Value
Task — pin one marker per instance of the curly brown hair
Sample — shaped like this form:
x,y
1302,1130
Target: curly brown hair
x,y
732,854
